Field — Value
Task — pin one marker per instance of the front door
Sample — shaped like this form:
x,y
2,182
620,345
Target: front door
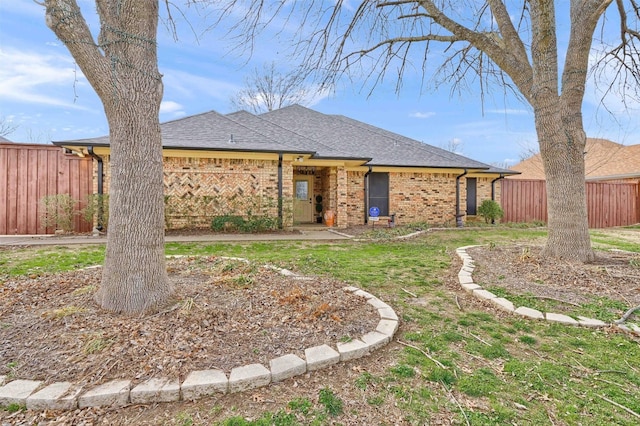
x,y
303,201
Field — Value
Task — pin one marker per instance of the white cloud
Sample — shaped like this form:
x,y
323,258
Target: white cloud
x,y
428,114
30,77
171,107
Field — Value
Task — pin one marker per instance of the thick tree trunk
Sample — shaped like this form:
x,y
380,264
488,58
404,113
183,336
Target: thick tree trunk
x,y
562,144
134,277
122,67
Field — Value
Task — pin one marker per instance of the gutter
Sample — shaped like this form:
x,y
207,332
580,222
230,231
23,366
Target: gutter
x,y
493,186
100,226
366,195
458,215
280,222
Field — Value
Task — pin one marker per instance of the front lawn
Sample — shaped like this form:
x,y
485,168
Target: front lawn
x,y
455,360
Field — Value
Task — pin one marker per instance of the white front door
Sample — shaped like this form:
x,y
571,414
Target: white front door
x,y
303,201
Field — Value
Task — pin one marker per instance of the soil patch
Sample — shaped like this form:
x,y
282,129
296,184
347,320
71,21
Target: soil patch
x,y
227,313
521,270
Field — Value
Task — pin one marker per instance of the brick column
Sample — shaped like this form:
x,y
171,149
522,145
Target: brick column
x,y
341,198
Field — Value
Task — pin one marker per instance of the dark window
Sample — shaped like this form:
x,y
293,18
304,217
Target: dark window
x,y
379,192
471,197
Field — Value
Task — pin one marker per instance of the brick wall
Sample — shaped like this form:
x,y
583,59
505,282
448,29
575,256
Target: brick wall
x,y
483,190
421,197
413,197
196,189
355,199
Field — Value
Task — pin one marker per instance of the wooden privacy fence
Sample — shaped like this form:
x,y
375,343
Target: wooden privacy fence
x,y
30,172
608,204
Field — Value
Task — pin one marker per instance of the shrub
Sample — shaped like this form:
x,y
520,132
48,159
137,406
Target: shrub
x,y
490,211
97,208
227,223
58,212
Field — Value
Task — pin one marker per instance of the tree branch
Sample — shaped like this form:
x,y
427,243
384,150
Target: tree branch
x,y
65,19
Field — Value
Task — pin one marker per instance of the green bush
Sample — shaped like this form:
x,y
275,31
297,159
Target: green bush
x,y
240,224
227,223
490,211
97,208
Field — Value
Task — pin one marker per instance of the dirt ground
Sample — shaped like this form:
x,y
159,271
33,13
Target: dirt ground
x,y
57,334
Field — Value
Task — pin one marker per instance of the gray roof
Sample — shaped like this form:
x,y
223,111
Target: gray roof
x,y
3,139
296,129
383,147
291,139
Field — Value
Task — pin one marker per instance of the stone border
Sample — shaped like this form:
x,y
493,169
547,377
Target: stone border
x,y
466,281
119,393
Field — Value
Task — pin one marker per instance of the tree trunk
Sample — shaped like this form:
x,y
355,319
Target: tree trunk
x,y
134,277
562,144
122,67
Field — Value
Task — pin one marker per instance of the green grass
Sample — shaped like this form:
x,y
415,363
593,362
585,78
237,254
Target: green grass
x,y
601,308
491,369
34,262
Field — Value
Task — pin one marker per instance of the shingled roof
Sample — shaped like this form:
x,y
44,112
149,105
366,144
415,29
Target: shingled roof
x,y
363,140
603,158
296,129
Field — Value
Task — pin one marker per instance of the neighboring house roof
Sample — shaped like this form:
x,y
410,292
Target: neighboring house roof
x,y
603,158
296,129
4,140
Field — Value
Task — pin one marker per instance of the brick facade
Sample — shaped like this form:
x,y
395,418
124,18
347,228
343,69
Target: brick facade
x,y
198,189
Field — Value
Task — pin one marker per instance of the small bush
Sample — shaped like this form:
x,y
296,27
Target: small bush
x,y
227,223
97,208
58,211
490,211
236,223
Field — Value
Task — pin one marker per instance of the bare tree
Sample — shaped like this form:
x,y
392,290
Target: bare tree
x,y
122,67
6,126
268,89
512,44
454,145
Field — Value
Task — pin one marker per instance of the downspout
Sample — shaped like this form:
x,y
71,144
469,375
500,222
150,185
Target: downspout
x,y
493,186
366,195
493,191
100,226
458,215
280,222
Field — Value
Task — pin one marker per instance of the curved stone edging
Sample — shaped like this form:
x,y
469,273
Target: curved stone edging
x,y
119,393
466,281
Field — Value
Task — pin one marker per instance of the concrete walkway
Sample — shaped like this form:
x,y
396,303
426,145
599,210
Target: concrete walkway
x,y
63,240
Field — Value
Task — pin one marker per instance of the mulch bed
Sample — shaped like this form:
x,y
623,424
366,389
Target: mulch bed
x,y
226,313
521,270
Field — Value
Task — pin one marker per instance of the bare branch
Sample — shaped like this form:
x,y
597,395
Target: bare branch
x,y
6,126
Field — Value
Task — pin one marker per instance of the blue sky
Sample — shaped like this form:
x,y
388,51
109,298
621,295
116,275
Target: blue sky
x,y
46,96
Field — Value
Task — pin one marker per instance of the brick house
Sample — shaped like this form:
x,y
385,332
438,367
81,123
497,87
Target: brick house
x,y
300,166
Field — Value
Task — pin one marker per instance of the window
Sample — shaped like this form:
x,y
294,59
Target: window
x,y
472,204
379,192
